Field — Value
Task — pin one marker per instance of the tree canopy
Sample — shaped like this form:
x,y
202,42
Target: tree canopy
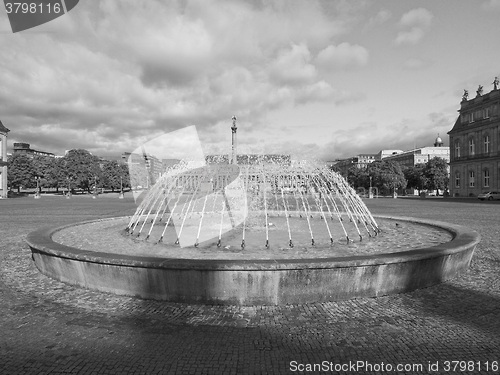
x,y
78,167
386,175
415,177
21,171
82,168
436,173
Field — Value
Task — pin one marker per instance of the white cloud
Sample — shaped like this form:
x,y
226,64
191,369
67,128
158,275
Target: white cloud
x,y
380,18
419,17
415,23
412,36
318,91
343,56
292,66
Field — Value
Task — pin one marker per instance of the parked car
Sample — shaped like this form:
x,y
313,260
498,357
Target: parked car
x,y
489,195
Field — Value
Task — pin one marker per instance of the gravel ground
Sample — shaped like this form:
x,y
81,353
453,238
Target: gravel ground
x,y
47,327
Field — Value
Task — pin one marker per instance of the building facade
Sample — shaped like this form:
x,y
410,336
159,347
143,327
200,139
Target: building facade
x,y
475,145
405,158
3,161
421,155
24,148
144,169
359,161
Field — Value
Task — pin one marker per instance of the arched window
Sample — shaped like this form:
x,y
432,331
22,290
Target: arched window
x,y
472,181
472,146
457,179
486,177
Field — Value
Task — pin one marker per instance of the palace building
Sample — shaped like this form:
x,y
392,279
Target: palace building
x,y
475,144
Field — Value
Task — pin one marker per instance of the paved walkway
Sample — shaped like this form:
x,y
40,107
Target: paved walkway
x,y
47,327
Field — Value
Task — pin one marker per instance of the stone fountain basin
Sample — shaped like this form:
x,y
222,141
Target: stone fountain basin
x,y
257,282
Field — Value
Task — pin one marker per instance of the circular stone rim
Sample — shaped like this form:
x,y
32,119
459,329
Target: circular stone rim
x,y
463,238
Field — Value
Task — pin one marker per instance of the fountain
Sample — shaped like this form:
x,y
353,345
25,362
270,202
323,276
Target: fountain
x,y
207,202
266,230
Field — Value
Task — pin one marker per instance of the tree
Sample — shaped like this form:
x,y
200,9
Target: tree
x,y
41,166
335,168
436,173
111,172
21,172
415,177
82,168
124,173
354,176
386,175
57,173
50,171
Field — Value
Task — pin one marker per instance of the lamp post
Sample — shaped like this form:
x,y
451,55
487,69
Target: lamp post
x,y
370,192
68,196
37,194
121,188
94,196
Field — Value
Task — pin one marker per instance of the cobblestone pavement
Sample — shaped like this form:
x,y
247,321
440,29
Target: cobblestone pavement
x,y
47,327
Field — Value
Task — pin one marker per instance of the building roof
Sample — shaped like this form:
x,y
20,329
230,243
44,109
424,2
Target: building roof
x,y
3,129
456,126
467,106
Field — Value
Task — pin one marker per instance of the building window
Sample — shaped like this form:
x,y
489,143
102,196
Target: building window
x,y
487,112
471,117
472,147
486,144
472,182
486,175
457,149
457,179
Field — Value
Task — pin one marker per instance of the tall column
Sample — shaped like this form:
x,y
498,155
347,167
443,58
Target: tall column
x,y
3,160
233,142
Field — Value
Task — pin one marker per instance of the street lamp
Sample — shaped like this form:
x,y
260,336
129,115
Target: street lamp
x,y
68,196
37,194
94,196
121,188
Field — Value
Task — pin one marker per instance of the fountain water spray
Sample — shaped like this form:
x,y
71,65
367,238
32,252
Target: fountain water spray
x,y
202,203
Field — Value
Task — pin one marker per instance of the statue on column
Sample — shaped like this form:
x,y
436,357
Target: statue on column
x,y
233,128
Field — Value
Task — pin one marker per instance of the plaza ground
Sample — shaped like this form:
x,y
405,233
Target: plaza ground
x,y
48,327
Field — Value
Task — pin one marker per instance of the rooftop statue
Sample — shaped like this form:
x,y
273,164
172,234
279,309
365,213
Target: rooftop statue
x,y
495,83
479,90
465,96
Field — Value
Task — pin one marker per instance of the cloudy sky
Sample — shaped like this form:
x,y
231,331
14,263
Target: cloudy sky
x,y
328,79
